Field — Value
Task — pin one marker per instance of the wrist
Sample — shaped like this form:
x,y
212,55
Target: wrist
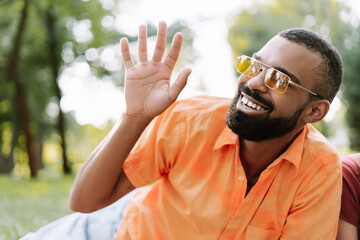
x,y
136,119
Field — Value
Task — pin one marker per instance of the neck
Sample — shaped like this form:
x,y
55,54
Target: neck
x,y
257,156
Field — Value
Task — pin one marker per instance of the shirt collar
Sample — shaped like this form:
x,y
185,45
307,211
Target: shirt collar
x,y
226,137
293,154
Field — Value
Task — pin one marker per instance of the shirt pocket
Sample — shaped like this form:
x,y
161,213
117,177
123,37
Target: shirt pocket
x,y
256,233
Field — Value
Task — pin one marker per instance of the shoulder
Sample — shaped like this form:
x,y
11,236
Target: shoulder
x,y
198,112
350,164
351,159
350,210
321,151
319,145
203,104
199,107
196,117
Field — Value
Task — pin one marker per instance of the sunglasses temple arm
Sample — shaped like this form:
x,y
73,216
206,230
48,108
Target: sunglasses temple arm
x,y
297,85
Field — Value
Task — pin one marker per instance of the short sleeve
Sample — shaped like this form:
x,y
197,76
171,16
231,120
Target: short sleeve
x,y
350,210
156,151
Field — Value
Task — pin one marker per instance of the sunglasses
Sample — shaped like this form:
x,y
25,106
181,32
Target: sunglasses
x,y
274,79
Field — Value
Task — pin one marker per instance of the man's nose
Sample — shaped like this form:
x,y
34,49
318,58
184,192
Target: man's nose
x,y
257,82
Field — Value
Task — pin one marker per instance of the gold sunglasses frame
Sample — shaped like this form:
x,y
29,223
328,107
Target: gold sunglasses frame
x,y
262,65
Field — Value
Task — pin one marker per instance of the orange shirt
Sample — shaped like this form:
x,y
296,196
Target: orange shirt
x,y
199,185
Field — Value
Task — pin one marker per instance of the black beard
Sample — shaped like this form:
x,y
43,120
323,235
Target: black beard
x,y
260,127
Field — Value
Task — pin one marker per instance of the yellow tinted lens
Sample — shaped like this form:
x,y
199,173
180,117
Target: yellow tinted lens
x,y
247,66
276,80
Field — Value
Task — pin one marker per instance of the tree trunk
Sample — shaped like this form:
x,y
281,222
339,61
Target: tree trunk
x,y
55,65
7,163
20,93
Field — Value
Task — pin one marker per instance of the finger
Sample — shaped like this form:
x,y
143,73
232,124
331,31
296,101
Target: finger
x,y
178,85
160,42
142,49
173,55
125,53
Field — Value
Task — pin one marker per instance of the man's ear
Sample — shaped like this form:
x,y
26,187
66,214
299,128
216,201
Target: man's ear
x,y
316,110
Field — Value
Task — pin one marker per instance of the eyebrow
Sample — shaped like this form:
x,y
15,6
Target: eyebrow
x,y
292,76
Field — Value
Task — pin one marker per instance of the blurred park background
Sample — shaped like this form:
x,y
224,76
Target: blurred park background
x,y
61,80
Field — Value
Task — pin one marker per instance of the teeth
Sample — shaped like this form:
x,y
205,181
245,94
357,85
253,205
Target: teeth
x,y
250,104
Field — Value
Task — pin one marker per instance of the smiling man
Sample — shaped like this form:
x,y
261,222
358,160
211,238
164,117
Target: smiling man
x,y
204,170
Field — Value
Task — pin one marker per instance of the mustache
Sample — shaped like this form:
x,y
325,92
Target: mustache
x,y
256,96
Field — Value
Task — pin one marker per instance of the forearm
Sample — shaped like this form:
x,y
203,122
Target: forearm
x,y
148,93
100,181
346,231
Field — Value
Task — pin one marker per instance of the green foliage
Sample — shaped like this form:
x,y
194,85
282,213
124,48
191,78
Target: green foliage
x,y
62,24
351,91
27,205
255,25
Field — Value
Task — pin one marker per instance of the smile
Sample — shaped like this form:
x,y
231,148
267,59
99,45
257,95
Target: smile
x,y
248,103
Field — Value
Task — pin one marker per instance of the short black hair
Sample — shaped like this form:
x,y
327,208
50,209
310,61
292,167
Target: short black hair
x,y
330,70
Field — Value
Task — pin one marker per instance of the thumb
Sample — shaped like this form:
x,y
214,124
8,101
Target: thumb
x,y
179,84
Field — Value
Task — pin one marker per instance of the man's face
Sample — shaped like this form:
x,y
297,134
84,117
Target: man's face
x,y
259,113
258,127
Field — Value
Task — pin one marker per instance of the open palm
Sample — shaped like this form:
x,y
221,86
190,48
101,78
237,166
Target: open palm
x,y
147,85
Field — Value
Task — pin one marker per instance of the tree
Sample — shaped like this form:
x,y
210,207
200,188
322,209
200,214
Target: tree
x,y
41,51
20,93
255,25
351,88
54,61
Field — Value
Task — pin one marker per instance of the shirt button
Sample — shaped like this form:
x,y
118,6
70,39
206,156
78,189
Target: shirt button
x,y
241,178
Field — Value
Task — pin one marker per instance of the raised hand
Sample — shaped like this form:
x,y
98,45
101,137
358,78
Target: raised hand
x,y
147,85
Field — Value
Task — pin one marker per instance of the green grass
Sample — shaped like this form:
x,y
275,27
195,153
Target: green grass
x,y
27,205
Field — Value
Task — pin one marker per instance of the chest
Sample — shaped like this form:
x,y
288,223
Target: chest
x,y
216,190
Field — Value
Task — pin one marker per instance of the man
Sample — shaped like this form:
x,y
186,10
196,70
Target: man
x,y
254,170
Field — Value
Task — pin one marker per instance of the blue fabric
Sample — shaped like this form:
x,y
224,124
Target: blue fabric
x,y
101,224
